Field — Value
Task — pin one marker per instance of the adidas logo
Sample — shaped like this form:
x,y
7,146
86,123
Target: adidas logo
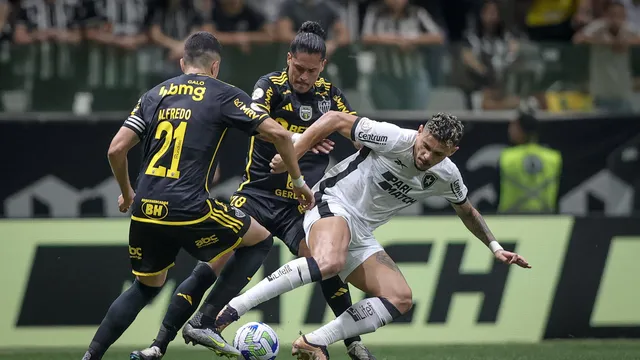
x,y
288,107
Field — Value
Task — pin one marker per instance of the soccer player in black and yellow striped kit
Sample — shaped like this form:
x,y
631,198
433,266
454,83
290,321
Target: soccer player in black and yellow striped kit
x,y
295,97
182,123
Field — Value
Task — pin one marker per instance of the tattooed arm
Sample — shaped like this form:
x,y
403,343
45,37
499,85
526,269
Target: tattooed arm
x,y
472,219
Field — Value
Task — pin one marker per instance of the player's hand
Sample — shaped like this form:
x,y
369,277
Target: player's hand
x,y
277,165
305,197
325,146
509,258
124,202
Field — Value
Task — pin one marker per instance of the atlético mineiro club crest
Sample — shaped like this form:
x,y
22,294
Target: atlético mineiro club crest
x,y
324,106
306,112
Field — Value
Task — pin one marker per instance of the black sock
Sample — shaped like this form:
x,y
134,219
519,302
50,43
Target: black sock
x,y
337,295
121,314
235,275
184,303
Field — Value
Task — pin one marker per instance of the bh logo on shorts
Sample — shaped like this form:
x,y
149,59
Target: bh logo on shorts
x,y
155,209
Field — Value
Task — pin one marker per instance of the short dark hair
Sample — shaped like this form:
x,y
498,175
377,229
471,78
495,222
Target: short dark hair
x,y
528,122
310,39
201,49
446,128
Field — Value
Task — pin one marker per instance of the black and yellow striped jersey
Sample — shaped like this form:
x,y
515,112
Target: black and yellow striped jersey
x,y
182,123
295,112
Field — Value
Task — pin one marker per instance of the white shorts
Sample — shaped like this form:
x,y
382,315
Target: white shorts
x,y
362,243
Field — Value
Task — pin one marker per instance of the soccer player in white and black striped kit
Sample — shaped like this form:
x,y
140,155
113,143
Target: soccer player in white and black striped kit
x,y
394,168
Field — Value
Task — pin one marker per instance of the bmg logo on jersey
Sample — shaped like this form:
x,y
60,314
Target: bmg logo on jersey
x,y
135,252
396,188
196,93
155,209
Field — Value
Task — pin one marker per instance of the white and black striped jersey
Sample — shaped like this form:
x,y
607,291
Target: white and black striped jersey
x,y
43,15
381,179
390,60
126,17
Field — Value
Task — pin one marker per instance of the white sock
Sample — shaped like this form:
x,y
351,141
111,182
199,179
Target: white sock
x,y
288,277
364,317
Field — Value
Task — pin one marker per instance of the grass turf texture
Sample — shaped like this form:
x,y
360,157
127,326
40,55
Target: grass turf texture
x,y
551,350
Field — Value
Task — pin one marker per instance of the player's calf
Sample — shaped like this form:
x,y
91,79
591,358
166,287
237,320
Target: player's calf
x,y
121,314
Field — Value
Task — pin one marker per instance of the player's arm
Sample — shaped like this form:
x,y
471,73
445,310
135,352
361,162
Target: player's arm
x,y
239,112
121,143
475,223
376,135
340,103
127,137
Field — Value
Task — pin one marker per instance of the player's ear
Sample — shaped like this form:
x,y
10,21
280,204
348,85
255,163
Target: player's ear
x,y
289,56
215,68
182,64
420,129
455,148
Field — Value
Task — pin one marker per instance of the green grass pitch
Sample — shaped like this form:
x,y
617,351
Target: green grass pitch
x,y
551,350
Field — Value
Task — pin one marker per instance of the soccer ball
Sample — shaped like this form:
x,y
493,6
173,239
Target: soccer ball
x,y
257,341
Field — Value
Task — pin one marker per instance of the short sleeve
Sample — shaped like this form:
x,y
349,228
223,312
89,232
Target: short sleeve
x,y
263,93
456,190
256,20
379,136
239,112
370,18
594,27
340,102
23,19
427,23
136,121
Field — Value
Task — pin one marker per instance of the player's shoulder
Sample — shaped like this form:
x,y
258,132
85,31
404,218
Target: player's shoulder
x,y
323,84
278,78
446,170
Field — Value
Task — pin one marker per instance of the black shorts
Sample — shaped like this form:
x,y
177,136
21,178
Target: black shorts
x,y
153,247
283,219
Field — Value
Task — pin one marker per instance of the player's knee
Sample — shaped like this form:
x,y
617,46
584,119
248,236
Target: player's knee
x,y
303,249
204,272
153,281
148,291
267,243
330,266
402,299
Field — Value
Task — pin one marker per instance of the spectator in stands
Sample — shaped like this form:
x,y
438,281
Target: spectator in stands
x,y
118,62
487,54
610,37
48,20
5,10
396,30
48,31
295,12
553,20
120,23
235,23
171,22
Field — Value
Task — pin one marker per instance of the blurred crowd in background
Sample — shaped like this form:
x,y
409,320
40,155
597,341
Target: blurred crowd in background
x,y
558,55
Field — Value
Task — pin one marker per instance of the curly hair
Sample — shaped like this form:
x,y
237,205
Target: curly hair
x,y
445,128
